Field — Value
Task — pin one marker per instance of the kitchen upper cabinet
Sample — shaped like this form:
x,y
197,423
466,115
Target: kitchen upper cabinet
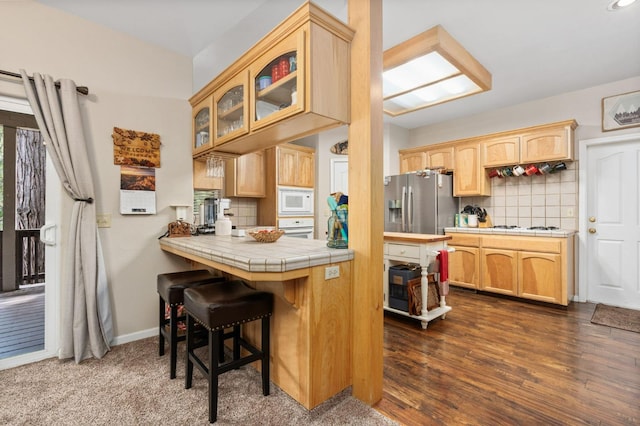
x,y
202,179
501,151
293,83
245,176
279,98
551,143
410,162
499,271
231,110
469,178
202,126
440,158
296,166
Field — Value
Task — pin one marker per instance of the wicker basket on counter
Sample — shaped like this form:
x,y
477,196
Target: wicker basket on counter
x,y
266,235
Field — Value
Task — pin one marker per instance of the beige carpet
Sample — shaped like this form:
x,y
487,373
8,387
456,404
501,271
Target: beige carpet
x,y
131,386
626,319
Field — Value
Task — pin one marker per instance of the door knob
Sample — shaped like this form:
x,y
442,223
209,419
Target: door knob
x,y
592,230
592,219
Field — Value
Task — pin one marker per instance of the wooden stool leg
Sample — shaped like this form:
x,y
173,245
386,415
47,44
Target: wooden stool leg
x,y
160,327
173,326
266,357
214,352
188,375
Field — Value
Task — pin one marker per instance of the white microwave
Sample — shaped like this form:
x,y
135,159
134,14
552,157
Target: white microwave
x,y
295,201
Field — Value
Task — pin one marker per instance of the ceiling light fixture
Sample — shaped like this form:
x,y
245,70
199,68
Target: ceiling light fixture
x,y
429,69
619,4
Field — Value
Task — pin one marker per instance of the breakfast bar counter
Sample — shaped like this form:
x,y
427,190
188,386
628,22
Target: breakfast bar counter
x,y
311,324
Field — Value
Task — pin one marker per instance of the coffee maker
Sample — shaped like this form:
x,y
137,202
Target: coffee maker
x,y
211,210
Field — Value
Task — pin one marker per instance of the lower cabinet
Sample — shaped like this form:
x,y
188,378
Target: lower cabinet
x,y
540,276
536,268
499,271
464,266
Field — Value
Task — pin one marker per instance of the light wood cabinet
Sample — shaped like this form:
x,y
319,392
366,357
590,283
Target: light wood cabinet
x,y
538,275
536,268
231,111
245,176
503,151
200,178
286,165
202,126
413,161
296,166
499,271
464,266
464,262
440,158
469,178
547,144
276,101
313,96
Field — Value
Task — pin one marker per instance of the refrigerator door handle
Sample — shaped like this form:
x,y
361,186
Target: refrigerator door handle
x,y
410,209
403,207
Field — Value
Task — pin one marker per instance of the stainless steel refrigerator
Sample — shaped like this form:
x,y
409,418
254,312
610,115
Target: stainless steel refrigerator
x,y
421,203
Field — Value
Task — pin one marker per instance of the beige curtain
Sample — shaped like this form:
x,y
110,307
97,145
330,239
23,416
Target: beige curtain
x,y
86,313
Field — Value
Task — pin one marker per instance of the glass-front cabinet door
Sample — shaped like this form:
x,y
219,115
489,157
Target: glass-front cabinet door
x,y
231,109
277,82
202,126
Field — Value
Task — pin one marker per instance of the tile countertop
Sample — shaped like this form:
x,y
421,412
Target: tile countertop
x,y
245,253
558,233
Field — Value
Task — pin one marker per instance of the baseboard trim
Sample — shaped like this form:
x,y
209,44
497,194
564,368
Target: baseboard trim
x,y
126,338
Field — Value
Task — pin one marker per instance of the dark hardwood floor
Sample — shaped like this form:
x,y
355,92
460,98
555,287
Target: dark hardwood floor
x,y
496,361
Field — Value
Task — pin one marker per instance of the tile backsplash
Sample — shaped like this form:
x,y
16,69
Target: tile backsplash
x,y
538,200
245,211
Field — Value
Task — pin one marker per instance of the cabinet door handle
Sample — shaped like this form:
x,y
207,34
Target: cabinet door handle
x,y
592,230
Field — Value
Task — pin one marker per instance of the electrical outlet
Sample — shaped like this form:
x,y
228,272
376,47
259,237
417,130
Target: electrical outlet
x,y
570,212
103,220
331,272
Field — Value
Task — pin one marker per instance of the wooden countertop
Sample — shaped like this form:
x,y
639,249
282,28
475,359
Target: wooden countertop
x,y
288,258
415,238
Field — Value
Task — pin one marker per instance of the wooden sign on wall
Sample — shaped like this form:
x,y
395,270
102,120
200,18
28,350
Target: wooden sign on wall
x,y
131,148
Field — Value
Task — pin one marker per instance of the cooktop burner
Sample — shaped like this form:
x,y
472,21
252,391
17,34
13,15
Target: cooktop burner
x,y
536,228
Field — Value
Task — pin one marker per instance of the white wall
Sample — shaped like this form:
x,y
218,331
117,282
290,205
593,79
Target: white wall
x,y
133,85
582,105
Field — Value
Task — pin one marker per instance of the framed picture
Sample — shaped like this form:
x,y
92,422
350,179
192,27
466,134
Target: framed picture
x,y
621,111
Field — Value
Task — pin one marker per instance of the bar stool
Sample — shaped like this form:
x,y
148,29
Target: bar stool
x,y
216,307
170,289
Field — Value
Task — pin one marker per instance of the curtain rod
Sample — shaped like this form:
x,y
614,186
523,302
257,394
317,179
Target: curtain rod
x,y
84,90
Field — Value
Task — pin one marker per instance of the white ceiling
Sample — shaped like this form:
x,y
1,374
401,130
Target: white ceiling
x,y
534,49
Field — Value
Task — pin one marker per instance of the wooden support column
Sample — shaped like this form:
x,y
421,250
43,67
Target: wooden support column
x,y
366,198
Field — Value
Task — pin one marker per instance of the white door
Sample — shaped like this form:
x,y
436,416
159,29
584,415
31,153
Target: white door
x,y
612,223
50,233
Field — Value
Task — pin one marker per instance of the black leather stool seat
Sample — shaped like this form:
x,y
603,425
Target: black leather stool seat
x,y
228,304
171,288
216,307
